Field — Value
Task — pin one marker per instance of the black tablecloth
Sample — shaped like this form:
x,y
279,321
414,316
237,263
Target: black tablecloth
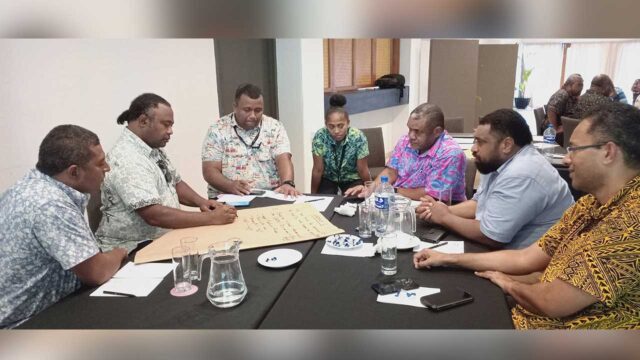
x,y
335,292
320,292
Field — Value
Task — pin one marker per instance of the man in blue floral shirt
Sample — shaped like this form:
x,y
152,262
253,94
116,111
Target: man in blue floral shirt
x,y
46,246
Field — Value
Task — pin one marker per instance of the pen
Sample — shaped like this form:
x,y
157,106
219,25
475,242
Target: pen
x,y
438,245
314,200
117,293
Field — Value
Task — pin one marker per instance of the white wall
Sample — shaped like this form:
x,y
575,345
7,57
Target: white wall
x,y
90,82
300,99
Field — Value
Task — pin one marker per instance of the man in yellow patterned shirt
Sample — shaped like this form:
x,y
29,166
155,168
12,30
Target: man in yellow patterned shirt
x,y
590,259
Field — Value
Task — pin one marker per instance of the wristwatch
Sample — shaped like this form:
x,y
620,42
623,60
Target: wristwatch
x,y
289,182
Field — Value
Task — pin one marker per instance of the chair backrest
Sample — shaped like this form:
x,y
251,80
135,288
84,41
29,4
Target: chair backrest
x,y
470,177
568,125
376,146
93,211
539,115
454,125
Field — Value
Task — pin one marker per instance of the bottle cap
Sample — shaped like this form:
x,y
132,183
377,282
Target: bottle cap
x,y
384,179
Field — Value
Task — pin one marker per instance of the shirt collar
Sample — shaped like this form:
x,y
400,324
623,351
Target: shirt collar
x,y
506,163
598,211
140,145
234,123
333,141
78,198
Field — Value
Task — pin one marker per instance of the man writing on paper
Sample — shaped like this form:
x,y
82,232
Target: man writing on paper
x,y
46,246
590,259
426,161
521,195
141,196
247,150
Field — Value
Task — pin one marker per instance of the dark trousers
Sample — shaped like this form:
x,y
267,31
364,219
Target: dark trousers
x,y
331,187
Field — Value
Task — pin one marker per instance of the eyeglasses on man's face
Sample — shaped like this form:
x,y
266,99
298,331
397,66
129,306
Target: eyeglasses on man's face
x,y
572,149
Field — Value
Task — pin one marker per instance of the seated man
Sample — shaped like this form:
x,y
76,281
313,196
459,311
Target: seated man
x,y
563,103
46,246
596,96
141,196
590,259
521,195
426,161
247,150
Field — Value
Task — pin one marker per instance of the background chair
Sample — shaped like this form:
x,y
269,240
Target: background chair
x,y
568,125
470,177
376,159
454,125
539,115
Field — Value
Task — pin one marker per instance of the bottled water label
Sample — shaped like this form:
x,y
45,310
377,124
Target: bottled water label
x,y
382,202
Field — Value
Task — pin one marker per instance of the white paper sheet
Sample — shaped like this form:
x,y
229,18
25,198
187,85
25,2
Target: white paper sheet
x,y
149,270
135,286
319,202
138,280
231,199
461,140
366,250
408,297
451,247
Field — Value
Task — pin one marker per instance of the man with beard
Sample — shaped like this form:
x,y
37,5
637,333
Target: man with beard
x,y
426,161
590,259
142,193
520,194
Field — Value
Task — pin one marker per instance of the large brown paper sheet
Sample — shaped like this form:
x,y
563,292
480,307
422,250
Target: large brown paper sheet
x,y
266,226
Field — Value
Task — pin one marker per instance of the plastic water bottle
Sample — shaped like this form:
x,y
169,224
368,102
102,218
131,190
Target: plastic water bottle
x,y
549,135
383,192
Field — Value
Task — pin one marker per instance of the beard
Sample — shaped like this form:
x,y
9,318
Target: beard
x,y
488,166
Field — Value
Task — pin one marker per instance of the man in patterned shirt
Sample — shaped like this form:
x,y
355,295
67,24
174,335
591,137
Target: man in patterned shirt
x,y
590,259
596,96
46,247
247,150
427,161
520,194
142,193
563,103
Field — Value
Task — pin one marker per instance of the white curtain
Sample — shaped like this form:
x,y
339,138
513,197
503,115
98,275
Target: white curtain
x,y
589,60
546,62
627,68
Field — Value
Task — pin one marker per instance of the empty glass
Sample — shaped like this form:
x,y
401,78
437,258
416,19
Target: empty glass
x,y
180,257
444,196
364,217
194,262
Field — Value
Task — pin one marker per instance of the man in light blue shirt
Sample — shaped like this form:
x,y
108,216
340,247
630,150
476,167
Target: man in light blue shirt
x,y
46,247
520,195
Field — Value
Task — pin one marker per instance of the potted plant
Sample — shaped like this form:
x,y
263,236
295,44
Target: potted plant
x,y
521,101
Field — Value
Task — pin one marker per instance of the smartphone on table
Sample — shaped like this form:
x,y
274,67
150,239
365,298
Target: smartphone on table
x,y
446,299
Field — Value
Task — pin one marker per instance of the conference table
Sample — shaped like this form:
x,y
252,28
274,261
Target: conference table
x,y
319,292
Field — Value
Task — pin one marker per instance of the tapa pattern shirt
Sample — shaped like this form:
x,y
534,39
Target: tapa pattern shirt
x,y
230,144
43,234
440,168
340,160
595,248
140,176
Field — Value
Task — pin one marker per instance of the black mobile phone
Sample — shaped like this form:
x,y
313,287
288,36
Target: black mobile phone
x,y
432,235
257,192
446,299
392,286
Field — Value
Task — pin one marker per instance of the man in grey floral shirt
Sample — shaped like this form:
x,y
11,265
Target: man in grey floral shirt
x,y
46,246
142,193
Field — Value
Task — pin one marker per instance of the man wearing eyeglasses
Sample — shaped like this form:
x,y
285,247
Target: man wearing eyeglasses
x,y
520,194
590,259
142,194
247,150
